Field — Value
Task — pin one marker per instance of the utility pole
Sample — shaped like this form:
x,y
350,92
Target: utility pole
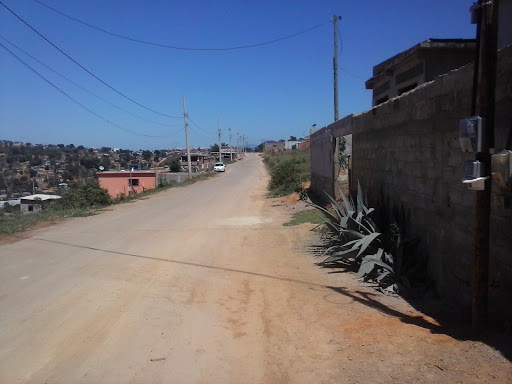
x,y
335,142
220,148
487,13
335,65
185,121
230,149
237,145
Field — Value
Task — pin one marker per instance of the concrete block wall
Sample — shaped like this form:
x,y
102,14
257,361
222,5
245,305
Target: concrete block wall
x,y
322,161
176,177
407,150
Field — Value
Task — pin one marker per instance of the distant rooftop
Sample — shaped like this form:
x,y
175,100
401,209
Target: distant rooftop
x,y
127,171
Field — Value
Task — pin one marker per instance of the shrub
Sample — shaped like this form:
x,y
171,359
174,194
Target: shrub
x,y
285,177
287,171
86,196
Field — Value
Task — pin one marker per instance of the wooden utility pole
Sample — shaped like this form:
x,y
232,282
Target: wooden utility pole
x,y
230,148
335,65
185,120
335,140
487,18
220,148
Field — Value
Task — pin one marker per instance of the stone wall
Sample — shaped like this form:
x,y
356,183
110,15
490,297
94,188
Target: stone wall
x,y
407,152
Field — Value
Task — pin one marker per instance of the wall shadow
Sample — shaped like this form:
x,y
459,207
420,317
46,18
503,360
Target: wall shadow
x,y
447,320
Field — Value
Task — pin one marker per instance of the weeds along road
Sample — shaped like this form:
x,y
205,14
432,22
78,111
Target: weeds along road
x,y
203,284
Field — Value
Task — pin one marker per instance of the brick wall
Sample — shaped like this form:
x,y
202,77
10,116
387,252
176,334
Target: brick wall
x,y
407,150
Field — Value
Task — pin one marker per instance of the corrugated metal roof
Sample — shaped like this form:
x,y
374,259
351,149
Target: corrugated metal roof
x,y
39,196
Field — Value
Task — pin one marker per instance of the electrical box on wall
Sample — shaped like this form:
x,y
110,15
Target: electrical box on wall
x,y
472,134
474,175
501,169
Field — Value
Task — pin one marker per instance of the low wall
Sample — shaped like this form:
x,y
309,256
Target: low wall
x,y
174,177
321,153
407,152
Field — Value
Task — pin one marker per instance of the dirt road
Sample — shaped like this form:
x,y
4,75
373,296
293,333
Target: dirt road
x,y
203,284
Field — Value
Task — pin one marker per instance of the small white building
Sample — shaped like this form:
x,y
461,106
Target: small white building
x,y
291,144
10,202
34,203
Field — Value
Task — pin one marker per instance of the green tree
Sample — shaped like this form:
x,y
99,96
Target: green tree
x,y
146,155
36,161
174,164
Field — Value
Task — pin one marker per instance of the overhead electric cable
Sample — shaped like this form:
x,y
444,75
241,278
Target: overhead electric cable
x,y
85,69
176,47
341,68
199,132
201,129
85,89
73,99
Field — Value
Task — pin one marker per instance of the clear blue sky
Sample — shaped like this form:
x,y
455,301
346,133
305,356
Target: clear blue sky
x,y
268,92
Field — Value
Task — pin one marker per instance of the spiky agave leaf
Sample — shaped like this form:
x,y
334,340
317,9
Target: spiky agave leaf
x,y
338,208
382,276
335,229
376,262
329,215
360,203
342,255
358,226
349,207
367,241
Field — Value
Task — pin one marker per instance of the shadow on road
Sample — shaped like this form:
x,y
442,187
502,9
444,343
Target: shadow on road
x,y
441,324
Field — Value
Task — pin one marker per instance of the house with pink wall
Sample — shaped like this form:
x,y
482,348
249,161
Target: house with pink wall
x,y
125,183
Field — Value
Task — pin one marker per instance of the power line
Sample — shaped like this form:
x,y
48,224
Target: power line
x,y
181,48
85,69
73,99
341,51
203,133
201,129
83,88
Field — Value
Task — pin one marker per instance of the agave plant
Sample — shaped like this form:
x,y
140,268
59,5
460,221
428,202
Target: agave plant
x,y
353,238
352,234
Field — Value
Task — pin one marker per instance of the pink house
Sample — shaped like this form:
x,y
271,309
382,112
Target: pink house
x,y
125,183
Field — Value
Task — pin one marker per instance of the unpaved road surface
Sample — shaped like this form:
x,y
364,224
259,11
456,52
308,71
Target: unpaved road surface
x,y
203,284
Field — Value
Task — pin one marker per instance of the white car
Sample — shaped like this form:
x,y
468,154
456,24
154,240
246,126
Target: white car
x,y
219,167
